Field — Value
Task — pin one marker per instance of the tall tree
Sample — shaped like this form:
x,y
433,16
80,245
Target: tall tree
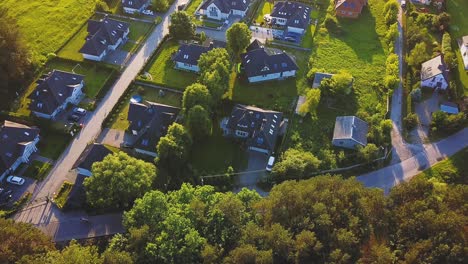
x,y
196,94
160,5
295,164
181,26
199,122
238,38
215,72
173,149
118,180
312,100
418,55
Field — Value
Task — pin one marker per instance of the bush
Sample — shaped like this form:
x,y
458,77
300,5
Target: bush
x,y
416,95
102,6
411,121
61,197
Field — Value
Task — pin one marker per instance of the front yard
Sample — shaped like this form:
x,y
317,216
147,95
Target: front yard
x,y
459,28
37,170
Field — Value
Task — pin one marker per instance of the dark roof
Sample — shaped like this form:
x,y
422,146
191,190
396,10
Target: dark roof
x,y
13,139
151,121
93,153
433,67
227,5
135,4
52,90
261,125
102,33
264,61
318,78
256,44
351,127
190,53
355,5
297,14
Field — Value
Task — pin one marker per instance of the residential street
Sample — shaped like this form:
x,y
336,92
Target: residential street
x,y
44,215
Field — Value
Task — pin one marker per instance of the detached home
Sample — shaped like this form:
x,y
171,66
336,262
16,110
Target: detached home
x,y
148,123
263,64
135,6
294,15
104,36
349,8
222,9
259,128
350,132
54,91
463,44
434,74
93,153
17,143
186,57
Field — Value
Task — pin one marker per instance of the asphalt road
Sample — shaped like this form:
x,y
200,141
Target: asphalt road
x,y
43,214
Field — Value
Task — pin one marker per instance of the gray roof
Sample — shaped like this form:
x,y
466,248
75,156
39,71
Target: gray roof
x,y
433,67
52,90
190,53
13,139
351,127
264,61
93,153
318,78
262,126
227,5
135,4
449,107
151,121
103,33
297,14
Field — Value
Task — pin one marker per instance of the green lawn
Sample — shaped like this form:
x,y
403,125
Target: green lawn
x,y
192,7
162,69
138,31
52,144
264,8
458,10
149,94
46,25
37,170
451,170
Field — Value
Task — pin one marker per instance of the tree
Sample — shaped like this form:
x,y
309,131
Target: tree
x,y
118,180
21,239
74,253
199,122
411,121
311,102
215,72
295,164
418,55
392,70
391,12
196,94
160,5
149,210
368,153
173,149
238,37
181,26
342,83
15,66
449,56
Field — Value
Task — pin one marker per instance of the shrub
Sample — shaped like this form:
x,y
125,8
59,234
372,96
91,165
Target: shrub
x,y
411,121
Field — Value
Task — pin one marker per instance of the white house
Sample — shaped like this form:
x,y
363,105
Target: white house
x,y
135,6
222,9
93,153
463,44
104,36
262,64
434,74
294,15
17,143
187,56
350,132
54,91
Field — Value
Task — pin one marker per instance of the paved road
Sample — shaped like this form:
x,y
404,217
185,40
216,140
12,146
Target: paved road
x,y
388,177
43,214
254,172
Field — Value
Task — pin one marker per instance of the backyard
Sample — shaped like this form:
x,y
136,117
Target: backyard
x,y
46,25
162,71
450,170
52,143
192,7
37,170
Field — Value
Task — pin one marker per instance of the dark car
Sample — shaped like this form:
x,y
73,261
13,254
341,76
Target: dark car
x,y
75,118
278,37
6,195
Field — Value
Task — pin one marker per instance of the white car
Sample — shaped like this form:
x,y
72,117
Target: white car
x,y
15,180
148,12
79,111
270,163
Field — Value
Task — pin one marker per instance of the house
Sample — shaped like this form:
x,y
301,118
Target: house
x,y
93,153
319,77
186,57
135,6
349,8
434,74
449,108
54,91
104,36
350,132
259,128
421,2
463,44
263,64
222,9
17,143
148,123
294,15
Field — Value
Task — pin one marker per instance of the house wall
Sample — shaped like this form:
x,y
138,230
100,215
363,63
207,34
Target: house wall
x,y
296,30
217,14
188,67
84,172
131,10
145,152
432,82
259,150
42,115
272,76
239,12
347,13
289,74
94,58
345,143
279,21
28,150
464,53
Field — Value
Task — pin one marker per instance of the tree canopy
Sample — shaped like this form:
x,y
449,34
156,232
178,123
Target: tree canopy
x,y
311,103
295,164
215,72
238,37
181,26
199,122
196,94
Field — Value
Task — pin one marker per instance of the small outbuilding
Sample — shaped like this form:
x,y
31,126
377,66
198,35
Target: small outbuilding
x,y
449,108
350,132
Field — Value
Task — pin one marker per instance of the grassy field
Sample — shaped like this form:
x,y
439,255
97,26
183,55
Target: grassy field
x,y
192,7
37,170
151,95
459,28
138,31
52,144
265,8
162,69
451,170
46,25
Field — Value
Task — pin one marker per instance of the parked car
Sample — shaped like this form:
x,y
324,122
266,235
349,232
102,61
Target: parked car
x,y
148,12
278,37
403,3
15,180
270,163
290,39
74,118
79,111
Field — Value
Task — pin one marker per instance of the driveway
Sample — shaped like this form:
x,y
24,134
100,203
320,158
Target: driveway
x,y
255,171
219,34
117,57
112,137
424,111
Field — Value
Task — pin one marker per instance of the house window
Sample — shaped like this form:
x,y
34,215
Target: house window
x,y
187,65
213,9
145,142
241,133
